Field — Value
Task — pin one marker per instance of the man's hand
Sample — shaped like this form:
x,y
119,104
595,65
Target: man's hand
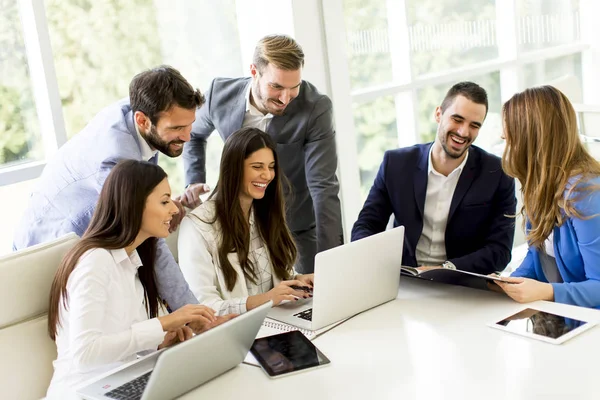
x,y
428,268
200,326
177,218
190,197
525,290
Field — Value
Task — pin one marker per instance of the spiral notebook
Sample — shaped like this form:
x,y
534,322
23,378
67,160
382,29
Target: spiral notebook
x,y
271,327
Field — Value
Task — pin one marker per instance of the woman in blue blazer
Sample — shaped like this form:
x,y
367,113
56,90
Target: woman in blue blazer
x,y
561,200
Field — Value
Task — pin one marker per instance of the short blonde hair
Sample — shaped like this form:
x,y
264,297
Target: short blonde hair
x,y
280,50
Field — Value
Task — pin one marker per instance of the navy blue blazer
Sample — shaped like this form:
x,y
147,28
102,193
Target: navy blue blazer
x,y
479,235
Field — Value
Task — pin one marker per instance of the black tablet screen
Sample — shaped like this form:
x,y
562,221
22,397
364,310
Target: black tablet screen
x,y
287,352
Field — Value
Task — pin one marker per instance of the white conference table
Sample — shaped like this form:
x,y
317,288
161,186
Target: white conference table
x,y
432,342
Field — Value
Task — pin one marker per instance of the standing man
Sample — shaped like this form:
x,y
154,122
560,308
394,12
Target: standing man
x,y
453,198
163,108
276,100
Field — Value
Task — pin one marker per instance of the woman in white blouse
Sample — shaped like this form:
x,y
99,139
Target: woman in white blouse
x,y
104,301
235,250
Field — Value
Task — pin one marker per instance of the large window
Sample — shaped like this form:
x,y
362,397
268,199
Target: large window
x,y
19,126
403,55
386,64
100,46
96,48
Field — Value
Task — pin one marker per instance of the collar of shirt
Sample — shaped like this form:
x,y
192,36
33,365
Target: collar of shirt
x,y
132,260
457,170
251,219
250,108
147,152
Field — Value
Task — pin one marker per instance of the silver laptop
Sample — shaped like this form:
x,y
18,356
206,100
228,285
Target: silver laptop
x,y
183,367
349,279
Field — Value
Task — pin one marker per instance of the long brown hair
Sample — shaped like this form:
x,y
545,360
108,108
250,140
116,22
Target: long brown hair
x,y
269,212
115,224
544,152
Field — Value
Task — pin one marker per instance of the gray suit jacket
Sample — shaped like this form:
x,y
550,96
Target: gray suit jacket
x,y
65,197
305,138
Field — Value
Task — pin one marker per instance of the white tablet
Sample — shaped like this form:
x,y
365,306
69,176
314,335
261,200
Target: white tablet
x,y
542,325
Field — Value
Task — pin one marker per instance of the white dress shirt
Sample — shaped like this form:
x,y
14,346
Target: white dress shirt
x,y
199,262
105,323
254,118
431,247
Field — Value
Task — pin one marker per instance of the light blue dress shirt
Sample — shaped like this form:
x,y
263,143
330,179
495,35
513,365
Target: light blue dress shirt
x,y
65,197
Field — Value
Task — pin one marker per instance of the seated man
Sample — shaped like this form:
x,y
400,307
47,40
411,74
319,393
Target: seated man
x,y
159,119
453,199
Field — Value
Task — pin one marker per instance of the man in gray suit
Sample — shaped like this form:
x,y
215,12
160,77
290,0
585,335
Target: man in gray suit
x,y
163,108
276,100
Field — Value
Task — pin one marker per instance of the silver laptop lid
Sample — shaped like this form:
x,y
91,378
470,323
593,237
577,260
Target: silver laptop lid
x,y
356,276
196,361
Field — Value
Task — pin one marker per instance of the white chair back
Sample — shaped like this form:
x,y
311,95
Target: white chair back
x,y
26,349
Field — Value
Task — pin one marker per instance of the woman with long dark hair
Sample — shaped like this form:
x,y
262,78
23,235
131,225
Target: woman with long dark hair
x,y
235,250
104,302
560,183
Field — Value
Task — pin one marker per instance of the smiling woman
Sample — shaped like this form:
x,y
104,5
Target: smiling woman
x,y
104,298
236,250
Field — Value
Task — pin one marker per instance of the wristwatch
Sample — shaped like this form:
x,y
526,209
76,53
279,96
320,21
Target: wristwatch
x,y
448,265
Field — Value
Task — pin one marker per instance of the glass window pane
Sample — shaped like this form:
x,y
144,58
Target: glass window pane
x,y
450,34
99,46
564,73
489,134
20,138
369,60
376,132
546,23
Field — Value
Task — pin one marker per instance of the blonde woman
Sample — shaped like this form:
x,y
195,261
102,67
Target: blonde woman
x,y
561,200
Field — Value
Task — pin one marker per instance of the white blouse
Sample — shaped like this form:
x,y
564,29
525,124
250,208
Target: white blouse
x,y
105,323
199,262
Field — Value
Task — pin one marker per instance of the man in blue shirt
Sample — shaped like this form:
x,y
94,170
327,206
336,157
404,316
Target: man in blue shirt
x,y
160,117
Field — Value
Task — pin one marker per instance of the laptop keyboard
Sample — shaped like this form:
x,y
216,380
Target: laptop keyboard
x,y
306,314
131,390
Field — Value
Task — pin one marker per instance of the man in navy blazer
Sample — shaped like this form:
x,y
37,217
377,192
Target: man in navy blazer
x,y
453,198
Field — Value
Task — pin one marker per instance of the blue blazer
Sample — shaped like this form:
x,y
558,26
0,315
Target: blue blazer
x,y
577,252
479,235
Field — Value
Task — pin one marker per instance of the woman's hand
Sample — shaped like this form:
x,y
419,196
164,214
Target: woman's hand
x,y
178,335
286,290
307,279
194,313
199,327
525,290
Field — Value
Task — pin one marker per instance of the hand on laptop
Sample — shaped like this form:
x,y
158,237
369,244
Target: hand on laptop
x,y
307,279
178,335
281,292
189,313
199,327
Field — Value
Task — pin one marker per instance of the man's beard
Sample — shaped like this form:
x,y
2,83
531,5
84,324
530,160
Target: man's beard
x,y
449,151
263,102
156,142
